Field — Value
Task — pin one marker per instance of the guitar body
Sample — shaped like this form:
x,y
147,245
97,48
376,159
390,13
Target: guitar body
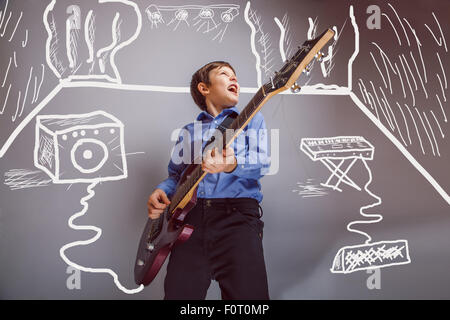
x,y
159,237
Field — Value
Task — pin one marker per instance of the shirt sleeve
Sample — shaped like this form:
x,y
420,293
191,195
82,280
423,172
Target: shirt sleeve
x,y
251,150
176,165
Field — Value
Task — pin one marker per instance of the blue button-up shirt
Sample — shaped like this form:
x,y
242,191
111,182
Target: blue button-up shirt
x,y
250,148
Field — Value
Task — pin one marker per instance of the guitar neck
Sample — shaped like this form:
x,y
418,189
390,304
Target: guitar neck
x,y
248,113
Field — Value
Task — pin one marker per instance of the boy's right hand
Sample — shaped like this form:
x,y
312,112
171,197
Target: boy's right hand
x,y
156,204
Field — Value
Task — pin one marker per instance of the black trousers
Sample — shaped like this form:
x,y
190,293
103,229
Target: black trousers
x,y
226,246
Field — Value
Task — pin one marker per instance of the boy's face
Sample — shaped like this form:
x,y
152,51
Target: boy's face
x,y
223,89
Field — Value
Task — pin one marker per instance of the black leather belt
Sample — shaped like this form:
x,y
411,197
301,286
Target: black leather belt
x,y
209,202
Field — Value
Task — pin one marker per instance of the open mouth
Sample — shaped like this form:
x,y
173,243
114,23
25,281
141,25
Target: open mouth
x,y
233,88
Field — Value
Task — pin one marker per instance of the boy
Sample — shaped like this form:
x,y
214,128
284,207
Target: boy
x,y
226,244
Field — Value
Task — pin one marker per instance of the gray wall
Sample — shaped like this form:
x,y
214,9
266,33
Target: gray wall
x,y
302,234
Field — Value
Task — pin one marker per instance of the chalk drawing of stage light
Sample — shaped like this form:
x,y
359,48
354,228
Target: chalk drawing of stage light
x,y
229,15
80,147
181,15
206,13
154,15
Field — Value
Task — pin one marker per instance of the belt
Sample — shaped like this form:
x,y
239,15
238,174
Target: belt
x,y
209,202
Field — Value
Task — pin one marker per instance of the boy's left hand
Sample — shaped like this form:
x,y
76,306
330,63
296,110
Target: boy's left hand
x,y
216,161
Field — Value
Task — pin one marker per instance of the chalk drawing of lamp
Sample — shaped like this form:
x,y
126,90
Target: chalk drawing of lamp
x,y
80,147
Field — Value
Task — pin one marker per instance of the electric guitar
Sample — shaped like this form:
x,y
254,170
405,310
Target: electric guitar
x,y
160,235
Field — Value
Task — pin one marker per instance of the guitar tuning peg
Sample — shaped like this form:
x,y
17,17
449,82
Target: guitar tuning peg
x,y
320,56
295,88
307,71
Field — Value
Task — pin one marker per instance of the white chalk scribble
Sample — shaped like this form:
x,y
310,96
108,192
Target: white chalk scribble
x,y
18,179
309,189
409,70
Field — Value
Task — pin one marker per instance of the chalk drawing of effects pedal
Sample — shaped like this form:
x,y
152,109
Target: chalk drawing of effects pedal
x,y
80,147
371,256
338,154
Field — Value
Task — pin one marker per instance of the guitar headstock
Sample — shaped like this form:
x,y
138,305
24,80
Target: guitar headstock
x,y
292,69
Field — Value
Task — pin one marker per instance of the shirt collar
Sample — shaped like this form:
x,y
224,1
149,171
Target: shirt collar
x,y
204,115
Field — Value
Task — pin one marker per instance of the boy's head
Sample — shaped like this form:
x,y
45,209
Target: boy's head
x,y
217,83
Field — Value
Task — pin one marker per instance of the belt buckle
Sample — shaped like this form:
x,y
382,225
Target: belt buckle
x,y
208,203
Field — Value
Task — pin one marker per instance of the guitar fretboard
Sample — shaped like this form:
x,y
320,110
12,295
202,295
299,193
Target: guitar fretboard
x,y
249,111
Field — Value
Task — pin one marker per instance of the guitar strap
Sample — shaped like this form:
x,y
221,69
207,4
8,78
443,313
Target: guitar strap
x,y
226,123
222,127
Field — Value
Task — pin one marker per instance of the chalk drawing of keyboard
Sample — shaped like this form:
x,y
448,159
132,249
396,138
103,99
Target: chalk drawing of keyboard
x,y
338,154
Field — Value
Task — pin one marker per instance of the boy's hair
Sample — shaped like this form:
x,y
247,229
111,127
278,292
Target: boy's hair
x,y
202,75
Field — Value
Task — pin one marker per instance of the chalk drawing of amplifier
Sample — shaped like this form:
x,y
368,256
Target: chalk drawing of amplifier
x,y
80,147
345,151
